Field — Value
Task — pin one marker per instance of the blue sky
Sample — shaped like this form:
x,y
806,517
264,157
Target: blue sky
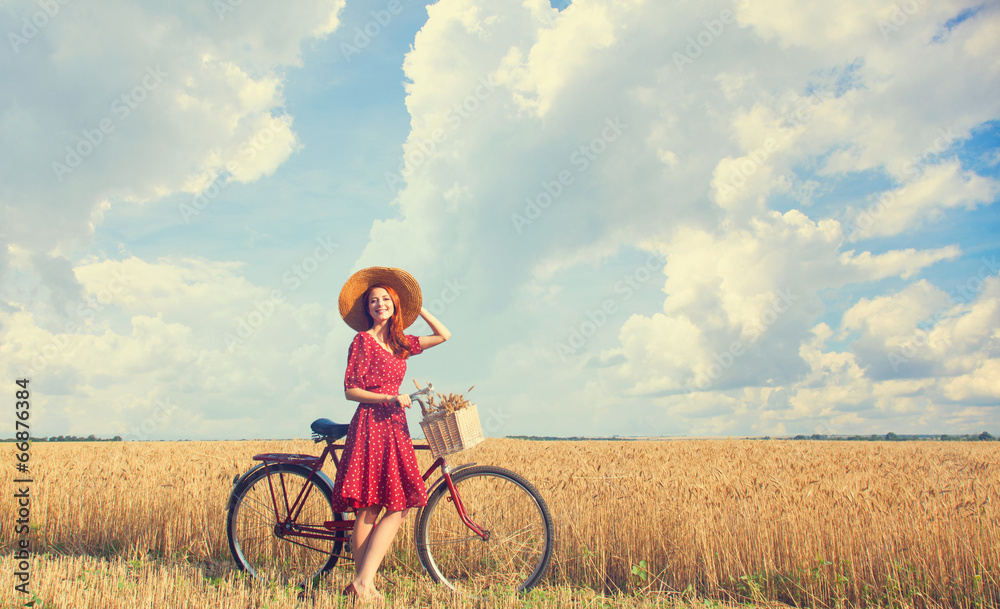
x,y
717,219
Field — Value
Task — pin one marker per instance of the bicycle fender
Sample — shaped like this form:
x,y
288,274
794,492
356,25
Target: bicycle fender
x,y
238,486
440,479
432,488
326,479
239,479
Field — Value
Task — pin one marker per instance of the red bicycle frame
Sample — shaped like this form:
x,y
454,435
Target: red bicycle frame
x,y
338,530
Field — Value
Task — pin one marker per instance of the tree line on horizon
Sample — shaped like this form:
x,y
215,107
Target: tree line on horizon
x,y
90,438
889,437
894,437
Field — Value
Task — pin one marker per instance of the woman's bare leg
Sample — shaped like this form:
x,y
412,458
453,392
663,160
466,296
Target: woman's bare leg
x,y
374,548
364,522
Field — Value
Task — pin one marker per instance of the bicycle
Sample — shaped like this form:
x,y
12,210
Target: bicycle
x,y
281,523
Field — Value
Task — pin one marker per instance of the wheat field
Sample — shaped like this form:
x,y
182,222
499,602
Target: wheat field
x,y
644,524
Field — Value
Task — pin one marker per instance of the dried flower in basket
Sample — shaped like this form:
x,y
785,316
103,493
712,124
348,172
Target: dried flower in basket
x,y
451,402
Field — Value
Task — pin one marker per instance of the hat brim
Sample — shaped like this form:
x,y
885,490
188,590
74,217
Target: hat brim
x,y
352,305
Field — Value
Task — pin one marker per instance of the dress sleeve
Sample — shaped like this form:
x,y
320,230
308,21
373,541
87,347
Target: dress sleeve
x,y
358,362
414,344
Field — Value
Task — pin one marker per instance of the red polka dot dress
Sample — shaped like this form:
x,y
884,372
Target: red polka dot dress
x,y
378,465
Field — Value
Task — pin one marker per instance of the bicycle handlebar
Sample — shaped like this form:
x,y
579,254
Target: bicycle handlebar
x,y
415,396
424,391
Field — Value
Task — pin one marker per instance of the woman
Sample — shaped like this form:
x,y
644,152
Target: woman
x,y
378,469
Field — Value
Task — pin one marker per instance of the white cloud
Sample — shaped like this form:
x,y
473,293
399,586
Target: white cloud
x,y
649,367
538,76
123,102
835,381
897,314
982,384
190,337
921,331
925,198
905,263
836,100
548,155
112,103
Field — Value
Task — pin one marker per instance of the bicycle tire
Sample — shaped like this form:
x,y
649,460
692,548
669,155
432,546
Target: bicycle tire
x,y
520,543
251,525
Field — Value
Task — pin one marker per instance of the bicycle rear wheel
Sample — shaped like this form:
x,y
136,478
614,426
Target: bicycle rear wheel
x,y
259,543
519,543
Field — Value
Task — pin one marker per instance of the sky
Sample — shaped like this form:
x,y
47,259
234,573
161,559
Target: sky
x,y
636,218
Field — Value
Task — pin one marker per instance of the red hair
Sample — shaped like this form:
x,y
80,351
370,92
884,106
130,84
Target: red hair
x,y
396,341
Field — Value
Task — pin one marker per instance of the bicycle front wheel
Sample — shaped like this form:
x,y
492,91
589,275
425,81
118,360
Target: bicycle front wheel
x,y
262,539
517,547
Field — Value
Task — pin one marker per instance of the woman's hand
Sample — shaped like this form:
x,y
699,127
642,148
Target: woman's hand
x,y
440,335
403,400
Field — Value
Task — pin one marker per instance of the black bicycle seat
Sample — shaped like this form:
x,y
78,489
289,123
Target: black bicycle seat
x,y
327,429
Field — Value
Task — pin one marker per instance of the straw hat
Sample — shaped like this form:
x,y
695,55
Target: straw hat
x,y
352,307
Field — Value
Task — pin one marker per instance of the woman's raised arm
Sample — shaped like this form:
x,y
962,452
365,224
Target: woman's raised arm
x,y
440,335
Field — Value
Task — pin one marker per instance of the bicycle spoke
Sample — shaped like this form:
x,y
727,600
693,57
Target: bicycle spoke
x,y
306,546
519,543
246,539
267,516
252,530
512,535
442,542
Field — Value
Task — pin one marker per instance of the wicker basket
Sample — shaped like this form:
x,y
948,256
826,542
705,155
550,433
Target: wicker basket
x,y
450,432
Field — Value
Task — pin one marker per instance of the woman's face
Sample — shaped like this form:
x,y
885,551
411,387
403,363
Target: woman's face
x,y
380,305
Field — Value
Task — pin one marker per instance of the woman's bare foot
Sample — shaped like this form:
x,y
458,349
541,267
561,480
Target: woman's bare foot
x,y
366,593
